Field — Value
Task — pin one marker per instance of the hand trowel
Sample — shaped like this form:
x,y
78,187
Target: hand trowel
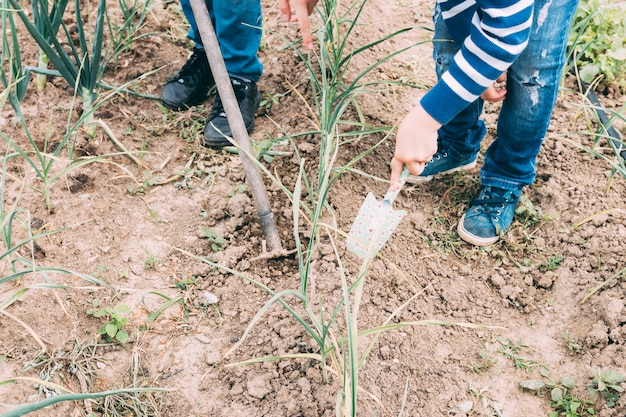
x,y
375,222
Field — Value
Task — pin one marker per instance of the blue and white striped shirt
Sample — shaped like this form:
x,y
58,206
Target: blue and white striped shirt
x,y
493,33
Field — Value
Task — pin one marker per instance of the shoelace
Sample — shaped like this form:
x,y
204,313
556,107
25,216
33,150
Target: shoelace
x,y
491,202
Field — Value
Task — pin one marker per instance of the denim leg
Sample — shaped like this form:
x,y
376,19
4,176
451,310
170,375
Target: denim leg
x,y
532,86
461,137
237,25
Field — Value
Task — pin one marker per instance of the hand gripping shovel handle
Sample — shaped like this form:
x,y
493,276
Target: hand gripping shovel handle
x,y
390,196
237,125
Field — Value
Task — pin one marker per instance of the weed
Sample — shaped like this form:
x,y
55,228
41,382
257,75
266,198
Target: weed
x,y
551,264
512,351
239,189
528,213
151,260
480,399
113,328
572,343
100,269
607,383
485,363
217,242
188,175
270,100
561,399
146,184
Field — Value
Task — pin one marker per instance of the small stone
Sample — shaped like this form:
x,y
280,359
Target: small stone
x,y
209,298
203,339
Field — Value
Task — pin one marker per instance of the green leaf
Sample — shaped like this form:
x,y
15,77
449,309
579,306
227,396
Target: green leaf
x,y
99,313
612,376
122,336
589,72
123,308
568,382
532,385
111,329
556,394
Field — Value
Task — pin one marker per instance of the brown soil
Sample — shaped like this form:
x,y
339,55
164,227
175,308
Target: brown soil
x,y
142,230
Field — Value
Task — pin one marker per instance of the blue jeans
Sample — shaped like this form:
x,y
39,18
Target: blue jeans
x,y
532,86
238,28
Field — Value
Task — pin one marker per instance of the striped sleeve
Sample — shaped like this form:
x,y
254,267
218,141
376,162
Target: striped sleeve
x,y
493,33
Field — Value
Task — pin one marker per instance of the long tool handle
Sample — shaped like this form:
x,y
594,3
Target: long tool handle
x,y
391,195
236,123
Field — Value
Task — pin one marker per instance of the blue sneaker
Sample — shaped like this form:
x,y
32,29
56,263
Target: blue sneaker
x,y
489,216
443,163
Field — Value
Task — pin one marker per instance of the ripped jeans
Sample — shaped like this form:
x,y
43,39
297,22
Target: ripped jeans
x,y
532,86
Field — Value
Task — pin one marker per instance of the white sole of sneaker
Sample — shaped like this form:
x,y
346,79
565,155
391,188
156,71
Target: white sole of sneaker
x,y
415,179
474,240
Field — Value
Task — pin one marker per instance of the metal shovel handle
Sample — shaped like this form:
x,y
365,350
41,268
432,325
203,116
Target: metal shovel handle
x,y
236,123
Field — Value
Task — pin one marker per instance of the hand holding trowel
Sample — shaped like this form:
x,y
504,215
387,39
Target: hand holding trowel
x,y
375,222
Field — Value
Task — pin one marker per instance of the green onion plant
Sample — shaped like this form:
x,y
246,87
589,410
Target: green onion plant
x,y
23,409
13,74
81,68
46,18
122,35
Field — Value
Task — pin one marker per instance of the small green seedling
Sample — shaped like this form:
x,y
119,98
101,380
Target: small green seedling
x,y
607,383
529,214
573,344
151,261
217,242
512,350
239,189
561,399
551,264
270,100
485,363
112,329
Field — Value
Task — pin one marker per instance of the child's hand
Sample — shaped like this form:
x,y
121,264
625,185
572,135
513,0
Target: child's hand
x,y
302,11
416,143
497,91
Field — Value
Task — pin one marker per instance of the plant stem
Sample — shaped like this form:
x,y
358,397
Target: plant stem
x,y
40,78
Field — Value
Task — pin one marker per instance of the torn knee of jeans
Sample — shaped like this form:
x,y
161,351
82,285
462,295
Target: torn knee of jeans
x,y
534,81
